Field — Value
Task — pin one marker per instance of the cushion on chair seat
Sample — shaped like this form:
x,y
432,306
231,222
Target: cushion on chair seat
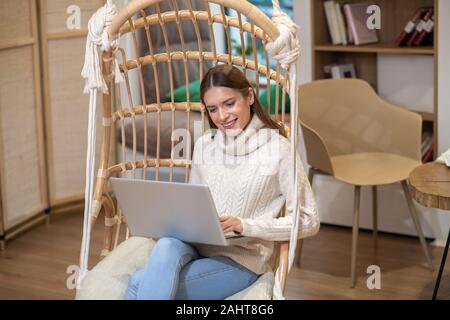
x,y
371,169
108,280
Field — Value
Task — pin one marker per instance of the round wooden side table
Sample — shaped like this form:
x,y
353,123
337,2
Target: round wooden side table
x,y
430,186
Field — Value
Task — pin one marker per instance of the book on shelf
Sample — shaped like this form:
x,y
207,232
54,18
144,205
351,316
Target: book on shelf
x,y
333,23
402,38
420,27
427,140
339,71
428,156
349,33
347,23
426,33
356,17
341,24
410,29
427,146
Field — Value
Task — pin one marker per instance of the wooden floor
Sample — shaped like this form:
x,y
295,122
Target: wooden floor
x,y
34,264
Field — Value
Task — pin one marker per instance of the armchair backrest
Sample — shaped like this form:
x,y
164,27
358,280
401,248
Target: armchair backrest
x,y
345,116
194,24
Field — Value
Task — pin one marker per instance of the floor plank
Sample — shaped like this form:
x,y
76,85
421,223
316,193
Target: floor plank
x,y
34,265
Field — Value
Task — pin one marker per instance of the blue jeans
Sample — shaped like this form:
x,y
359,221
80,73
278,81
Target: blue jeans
x,y
175,270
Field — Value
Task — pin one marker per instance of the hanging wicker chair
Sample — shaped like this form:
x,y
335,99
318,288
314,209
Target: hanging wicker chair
x,y
139,20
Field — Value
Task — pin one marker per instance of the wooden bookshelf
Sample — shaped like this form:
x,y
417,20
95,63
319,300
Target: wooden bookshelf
x,y
376,48
394,16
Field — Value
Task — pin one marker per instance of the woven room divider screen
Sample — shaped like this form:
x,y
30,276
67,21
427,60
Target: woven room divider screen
x,y
65,106
43,113
23,197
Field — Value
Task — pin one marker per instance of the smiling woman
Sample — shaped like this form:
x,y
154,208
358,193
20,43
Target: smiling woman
x,y
249,199
231,101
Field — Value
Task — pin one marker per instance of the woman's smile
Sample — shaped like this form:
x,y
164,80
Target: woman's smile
x,y
230,124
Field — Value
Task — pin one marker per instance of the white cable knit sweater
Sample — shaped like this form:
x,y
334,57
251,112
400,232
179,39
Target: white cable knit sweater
x,y
250,177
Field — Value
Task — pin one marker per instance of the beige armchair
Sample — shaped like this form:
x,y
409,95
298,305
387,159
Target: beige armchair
x,y
360,139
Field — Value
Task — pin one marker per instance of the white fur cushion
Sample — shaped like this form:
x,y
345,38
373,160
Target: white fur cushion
x,y
108,280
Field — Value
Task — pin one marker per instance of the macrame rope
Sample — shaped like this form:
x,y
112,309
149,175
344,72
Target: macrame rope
x,y
98,36
286,50
90,161
92,73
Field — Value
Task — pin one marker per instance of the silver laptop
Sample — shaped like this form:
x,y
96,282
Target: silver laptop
x,y
156,209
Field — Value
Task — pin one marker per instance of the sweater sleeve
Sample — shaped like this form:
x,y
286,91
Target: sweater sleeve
x,y
273,228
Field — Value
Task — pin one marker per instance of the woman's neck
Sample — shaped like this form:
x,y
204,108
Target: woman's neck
x,y
245,127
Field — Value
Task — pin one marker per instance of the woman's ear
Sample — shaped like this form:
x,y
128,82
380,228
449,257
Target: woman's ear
x,y
251,96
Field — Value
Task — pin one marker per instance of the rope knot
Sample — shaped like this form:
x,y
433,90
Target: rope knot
x,y
286,48
98,37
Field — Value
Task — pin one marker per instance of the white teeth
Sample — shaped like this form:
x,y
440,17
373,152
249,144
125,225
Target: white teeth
x,y
229,124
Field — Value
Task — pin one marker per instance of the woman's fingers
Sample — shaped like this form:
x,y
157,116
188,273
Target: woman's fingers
x,y
227,224
230,223
229,229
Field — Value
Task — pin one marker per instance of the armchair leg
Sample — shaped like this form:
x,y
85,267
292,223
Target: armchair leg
x,y
416,221
355,234
375,216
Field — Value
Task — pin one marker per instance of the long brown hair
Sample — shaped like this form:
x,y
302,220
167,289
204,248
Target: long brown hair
x,y
226,75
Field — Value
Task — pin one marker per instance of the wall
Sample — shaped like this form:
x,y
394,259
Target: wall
x,y
443,99
444,76
335,199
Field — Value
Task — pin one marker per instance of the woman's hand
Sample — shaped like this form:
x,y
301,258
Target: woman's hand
x,y
230,223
